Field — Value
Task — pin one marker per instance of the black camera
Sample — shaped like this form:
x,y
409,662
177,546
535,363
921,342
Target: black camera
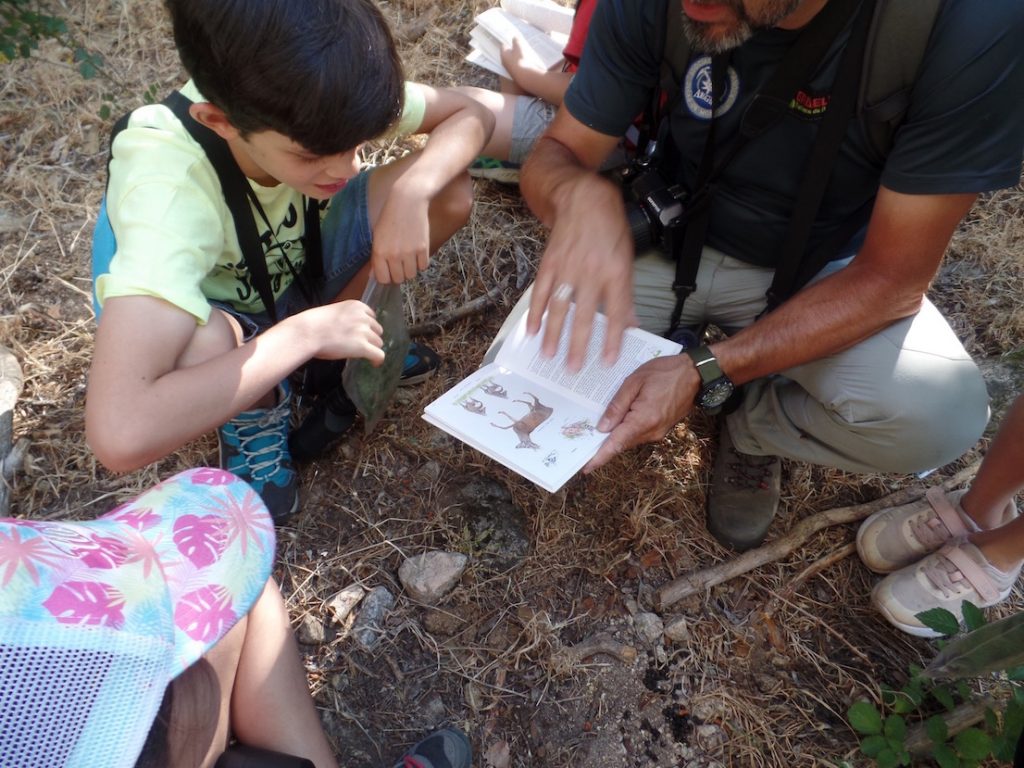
x,y
652,205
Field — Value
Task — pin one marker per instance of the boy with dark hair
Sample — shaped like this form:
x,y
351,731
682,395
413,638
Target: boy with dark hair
x,y
199,331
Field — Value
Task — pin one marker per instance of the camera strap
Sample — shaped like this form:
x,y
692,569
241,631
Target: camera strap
x,y
768,106
241,200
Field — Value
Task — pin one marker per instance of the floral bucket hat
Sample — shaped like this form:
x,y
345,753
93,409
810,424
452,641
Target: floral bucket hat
x,y
97,617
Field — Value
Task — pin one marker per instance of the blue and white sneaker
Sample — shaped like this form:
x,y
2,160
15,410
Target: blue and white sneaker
x,y
254,446
446,748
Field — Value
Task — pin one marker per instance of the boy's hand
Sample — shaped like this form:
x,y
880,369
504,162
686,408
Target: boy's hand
x,y
517,62
401,239
347,329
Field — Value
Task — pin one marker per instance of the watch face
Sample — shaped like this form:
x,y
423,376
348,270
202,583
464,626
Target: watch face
x,y
715,393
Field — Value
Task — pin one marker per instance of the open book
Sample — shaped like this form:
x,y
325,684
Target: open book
x,y
541,27
530,414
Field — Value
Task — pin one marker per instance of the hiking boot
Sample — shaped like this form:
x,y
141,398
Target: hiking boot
x,y
254,446
446,748
491,168
744,495
894,538
420,363
330,418
944,579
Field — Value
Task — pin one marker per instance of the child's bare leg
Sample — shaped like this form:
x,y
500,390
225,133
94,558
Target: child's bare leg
x,y
999,478
271,706
503,107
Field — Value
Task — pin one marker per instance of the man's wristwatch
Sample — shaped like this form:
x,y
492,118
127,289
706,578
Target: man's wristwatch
x,y
715,386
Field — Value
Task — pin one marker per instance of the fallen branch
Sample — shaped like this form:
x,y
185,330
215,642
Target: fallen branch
x,y
439,322
595,645
918,743
699,581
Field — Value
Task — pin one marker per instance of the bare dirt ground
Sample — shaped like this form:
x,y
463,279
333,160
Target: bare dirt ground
x,y
764,665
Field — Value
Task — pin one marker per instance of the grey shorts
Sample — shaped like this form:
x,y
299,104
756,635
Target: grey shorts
x,y
347,243
531,118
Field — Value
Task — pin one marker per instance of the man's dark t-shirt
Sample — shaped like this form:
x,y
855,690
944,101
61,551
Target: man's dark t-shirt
x,y
963,131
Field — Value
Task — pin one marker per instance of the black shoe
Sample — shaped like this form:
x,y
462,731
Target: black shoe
x,y
332,416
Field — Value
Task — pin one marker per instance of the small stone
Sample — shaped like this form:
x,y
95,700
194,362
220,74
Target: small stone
x,y
677,630
649,627
430,576
311,630
710,737
343,602
369,625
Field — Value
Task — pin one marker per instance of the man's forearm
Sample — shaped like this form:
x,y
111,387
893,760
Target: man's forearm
x,y
823,319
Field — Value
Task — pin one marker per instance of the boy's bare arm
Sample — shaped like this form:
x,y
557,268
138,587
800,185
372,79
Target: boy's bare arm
x,y
158,381
546,84
458,128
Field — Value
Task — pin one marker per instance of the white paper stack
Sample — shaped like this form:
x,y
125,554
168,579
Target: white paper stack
x,y
541,27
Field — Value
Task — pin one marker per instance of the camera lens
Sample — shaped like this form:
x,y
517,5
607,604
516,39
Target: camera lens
x,y
639,226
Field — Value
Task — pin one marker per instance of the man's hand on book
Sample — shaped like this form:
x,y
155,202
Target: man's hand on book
x,y
588,259
652,400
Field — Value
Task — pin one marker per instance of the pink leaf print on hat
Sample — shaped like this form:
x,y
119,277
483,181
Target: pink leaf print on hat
x,y
244,520
212,476
206,614
102,552
139,518
86,602
16,552
201,539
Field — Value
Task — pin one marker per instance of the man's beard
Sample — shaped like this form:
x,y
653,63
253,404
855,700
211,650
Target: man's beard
x,y
716,38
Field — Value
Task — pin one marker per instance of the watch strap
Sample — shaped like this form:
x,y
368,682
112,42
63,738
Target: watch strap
x,y
706,363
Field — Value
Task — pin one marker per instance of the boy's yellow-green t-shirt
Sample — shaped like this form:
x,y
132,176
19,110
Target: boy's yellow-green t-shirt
x,y
175,236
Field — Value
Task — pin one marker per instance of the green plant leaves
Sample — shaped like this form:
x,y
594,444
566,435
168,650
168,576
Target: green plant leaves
x,y
991,648
973,617
945,756
940,620
973,744
865,718
936,729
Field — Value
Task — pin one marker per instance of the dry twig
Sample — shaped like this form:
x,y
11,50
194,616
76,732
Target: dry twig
x,y
698,581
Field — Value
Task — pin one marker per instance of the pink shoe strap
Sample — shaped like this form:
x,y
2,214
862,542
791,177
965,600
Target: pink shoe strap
x,y
946,512
973,572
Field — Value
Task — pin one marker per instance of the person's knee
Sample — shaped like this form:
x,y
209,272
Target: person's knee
x,y
451,209
931,423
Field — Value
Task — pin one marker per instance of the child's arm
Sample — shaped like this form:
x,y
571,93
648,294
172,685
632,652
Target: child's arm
x,y
158,380
457,128
546,84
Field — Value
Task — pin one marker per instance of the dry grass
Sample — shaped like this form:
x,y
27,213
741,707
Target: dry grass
x,y
778,686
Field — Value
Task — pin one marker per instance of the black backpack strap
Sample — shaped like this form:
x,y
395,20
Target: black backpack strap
x,y
236,191
899,35
818,169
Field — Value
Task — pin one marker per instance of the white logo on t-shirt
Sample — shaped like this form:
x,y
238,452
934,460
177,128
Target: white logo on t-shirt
x,y
697,89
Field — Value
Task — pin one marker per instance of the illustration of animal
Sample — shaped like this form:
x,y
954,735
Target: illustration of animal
x,y
474,406
494,389
524,426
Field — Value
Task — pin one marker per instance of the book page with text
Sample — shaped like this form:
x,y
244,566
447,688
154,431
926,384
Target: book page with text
x,y
595,382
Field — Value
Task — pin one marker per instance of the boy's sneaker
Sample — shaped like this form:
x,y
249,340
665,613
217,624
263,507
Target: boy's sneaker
x,y
491,168
894,538
744,495
254,446
446,748
332,416
420,362
943,579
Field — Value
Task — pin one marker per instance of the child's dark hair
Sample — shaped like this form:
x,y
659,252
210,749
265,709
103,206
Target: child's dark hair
x,y
324,73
